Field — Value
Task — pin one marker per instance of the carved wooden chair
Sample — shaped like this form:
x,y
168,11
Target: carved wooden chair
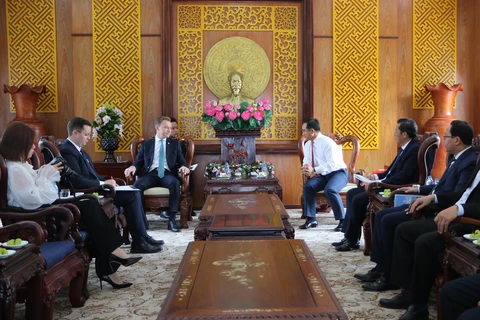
x,y
65,260
322,202
425,158
157,198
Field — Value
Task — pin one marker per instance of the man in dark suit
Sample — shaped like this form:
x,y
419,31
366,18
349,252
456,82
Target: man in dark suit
x,y
159,161
79,131
460,298
419,244
403,170
458,143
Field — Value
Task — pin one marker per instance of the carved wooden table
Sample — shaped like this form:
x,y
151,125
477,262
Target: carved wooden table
x,y
243,185
229,208
23,267
250,280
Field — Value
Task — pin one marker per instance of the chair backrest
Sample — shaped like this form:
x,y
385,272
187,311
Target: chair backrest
x,y
426,154
3,183
339,140
48,149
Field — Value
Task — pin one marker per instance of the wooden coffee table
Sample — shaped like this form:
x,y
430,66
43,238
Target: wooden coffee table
x,y
246,279
260,206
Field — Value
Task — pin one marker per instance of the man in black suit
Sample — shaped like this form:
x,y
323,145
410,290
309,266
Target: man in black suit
x,y
458,143
159,161
79,131
419,244
460,298
403,170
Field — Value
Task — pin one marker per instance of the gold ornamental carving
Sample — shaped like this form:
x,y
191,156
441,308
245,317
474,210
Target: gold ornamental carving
x,y
237,54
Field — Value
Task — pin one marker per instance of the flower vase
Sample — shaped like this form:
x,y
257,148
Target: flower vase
x,y
109,144
443,100
238,146
25,100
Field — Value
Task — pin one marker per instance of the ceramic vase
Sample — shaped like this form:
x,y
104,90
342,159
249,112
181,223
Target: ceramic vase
x,y
109,144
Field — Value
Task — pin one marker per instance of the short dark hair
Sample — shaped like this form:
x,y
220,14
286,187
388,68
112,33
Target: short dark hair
x,y
77,124
172,119
313,123
161,119
463,130
409,126
17,140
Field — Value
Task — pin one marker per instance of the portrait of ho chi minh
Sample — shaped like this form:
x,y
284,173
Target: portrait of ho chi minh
x,y
235,80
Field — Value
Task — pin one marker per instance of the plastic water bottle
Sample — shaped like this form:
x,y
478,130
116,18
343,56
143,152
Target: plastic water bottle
x,y
429,181
227,170
264,169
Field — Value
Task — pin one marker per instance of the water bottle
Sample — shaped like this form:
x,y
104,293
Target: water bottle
x,y
429,181
264,169
227,170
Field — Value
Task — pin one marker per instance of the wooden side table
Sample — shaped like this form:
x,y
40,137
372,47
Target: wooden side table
x,y
24,267
111,169
243,185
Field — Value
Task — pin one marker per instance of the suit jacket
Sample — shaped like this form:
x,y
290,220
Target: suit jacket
x,y
472,205
455,178
173,151
83,165
406,168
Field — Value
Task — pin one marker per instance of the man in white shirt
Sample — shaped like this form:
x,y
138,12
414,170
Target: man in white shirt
x,y
323,161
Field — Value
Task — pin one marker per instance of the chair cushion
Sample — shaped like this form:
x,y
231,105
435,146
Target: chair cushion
x,y
55,251
157,191
345,189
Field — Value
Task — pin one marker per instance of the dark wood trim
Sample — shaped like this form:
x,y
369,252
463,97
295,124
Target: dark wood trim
x,y
388,37
167,105
307,109
151,35
82,34
323,37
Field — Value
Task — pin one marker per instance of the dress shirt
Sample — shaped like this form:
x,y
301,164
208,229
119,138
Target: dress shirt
x,y
156,152
328,155
466,194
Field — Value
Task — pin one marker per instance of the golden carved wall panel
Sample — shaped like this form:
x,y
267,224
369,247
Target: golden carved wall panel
x,y
32,56
356,74
117,68
434,47
278,22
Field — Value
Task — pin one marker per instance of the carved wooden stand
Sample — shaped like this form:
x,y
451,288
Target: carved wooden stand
x,y
238,146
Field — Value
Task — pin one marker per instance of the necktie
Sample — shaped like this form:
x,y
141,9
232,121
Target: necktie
x,y
399,154
463,199
89,164
161,160
445,175
313,155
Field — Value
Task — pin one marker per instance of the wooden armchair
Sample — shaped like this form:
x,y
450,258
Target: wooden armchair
x,y
322,202
426,157
157,198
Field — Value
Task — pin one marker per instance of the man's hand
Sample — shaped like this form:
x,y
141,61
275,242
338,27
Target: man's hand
x,y
444,218
130,171
420,203
112,182
184,170
307,169
408,189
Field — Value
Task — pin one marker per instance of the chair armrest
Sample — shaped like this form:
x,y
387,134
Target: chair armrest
x,y
448,236
29,229
120,182
185,182
105,189
381,185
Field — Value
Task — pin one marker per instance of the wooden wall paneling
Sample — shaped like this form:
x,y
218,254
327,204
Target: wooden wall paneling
x,y
82,17
405,58
323,80
151,17
5,115
475,66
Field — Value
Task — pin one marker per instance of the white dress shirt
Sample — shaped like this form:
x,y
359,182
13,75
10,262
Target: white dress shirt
x,y
156,153
328,155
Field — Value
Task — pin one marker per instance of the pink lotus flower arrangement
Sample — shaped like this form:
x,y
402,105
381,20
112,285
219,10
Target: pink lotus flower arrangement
x,y
239,117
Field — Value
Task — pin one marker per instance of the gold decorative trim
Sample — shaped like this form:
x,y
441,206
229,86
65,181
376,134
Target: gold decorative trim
x,y
434,47
117,63
32,55
356,77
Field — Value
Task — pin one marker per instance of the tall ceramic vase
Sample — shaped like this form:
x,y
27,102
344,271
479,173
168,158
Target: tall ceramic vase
x,y
25,101
443,100
109,144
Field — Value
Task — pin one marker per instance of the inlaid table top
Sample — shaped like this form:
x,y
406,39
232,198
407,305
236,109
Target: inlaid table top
x,y
247,279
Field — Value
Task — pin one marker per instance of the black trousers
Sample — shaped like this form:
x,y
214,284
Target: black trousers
x,y
131,201
459,298
102,233
357,201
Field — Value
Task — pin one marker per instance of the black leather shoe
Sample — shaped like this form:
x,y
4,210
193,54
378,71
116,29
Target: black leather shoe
x,y
370,276
379,285
164,215
347,246
309,224
144,247
173,226
415,313
400,301
153,241
124,262
339,227
339,243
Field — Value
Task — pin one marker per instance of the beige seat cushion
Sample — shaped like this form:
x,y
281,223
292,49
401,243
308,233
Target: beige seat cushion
x,y
345,189
157,191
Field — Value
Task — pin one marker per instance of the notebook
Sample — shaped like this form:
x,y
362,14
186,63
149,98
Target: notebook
x,y
401,199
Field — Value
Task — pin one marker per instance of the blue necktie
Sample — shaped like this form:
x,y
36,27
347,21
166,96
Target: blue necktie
x,y
161,160
90,165
399,154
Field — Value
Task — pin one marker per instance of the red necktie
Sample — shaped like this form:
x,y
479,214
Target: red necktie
x,y
313,155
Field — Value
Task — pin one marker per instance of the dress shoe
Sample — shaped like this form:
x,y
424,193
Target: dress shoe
x,y
400,301
144,247
415,313
173,226
113,284
370,276
339,243
124,262
164,214
339,227
153,241
310,223
347,246
381,284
